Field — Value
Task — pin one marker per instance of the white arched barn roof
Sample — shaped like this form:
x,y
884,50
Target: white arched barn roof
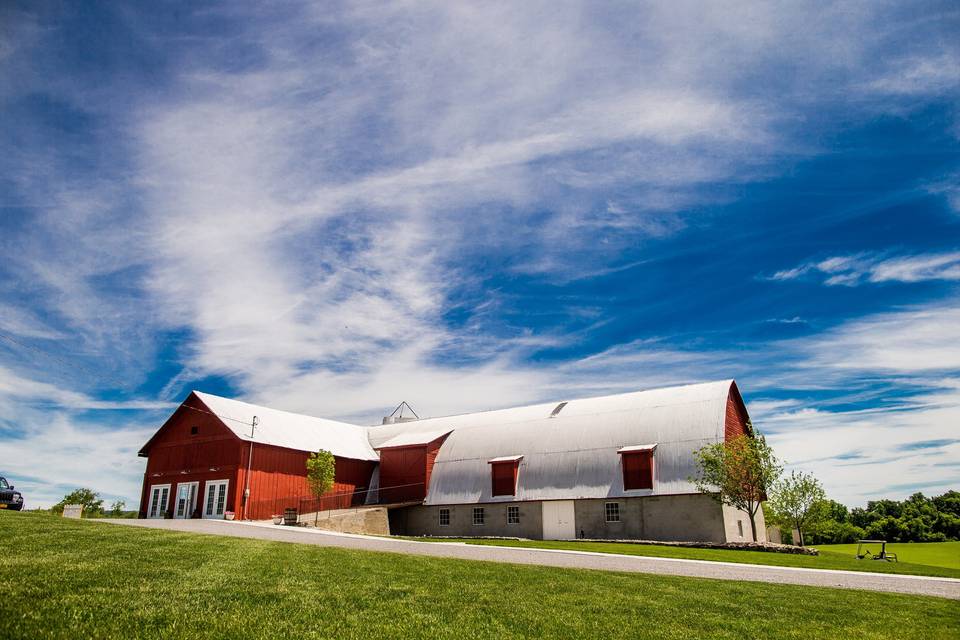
x,y
573,452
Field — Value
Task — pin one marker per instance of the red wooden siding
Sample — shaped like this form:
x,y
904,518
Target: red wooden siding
x,y
175,456
503,477
405,471
736,415
637,470
277,478
433,449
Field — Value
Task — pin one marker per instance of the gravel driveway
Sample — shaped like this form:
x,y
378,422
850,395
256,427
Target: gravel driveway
x,y
919,585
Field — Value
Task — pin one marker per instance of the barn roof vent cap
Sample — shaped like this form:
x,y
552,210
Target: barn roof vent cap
x,y
397,415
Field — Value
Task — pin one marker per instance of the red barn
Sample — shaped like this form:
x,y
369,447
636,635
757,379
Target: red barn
x,y
209,459
615,467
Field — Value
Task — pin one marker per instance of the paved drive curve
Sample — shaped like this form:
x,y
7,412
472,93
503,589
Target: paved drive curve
x,y
919,585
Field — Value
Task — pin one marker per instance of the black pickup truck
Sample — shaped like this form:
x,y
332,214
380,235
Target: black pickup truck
x,y
9,499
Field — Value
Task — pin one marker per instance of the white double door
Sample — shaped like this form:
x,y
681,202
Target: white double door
x,y
186,502
157,506
558,520
215,500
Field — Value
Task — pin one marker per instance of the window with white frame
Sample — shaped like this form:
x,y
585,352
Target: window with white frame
x,y
444,518
513,515
612,511
478,515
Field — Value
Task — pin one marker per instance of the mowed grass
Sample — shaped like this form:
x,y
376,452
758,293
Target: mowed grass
x,y
81,579
936,554
829,557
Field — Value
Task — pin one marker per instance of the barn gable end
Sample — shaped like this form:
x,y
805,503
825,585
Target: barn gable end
x,y
736,419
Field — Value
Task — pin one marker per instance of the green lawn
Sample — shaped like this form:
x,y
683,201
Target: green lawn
x,y
829,558
937,554
80,579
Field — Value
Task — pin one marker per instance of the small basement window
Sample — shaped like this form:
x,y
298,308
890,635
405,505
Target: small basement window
x,y
513,515
612,511
444,520
478,515
637,462
194,430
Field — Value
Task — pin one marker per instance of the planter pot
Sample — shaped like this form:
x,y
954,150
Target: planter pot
x,y
228,516
277,519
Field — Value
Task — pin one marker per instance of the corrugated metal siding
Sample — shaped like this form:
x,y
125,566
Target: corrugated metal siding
x,y
574,455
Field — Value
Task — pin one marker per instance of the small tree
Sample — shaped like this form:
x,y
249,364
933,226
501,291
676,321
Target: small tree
x,y
321,469
738,472
117,508
799,500
92,504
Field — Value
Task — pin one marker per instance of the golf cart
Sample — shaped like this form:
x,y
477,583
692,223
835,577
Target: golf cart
x,y
864,553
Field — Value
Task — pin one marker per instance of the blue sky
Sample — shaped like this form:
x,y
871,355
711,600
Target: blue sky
x,y
329,208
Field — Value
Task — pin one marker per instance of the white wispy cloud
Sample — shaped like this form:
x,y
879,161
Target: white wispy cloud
x,y
862,455
14,387
303,222
857,269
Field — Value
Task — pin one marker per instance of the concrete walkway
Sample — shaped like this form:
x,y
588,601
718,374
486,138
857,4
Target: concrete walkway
x,y
918,585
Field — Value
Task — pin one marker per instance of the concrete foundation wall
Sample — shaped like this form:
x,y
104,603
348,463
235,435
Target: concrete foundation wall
x,y
425,521
371,520
671,518
736,521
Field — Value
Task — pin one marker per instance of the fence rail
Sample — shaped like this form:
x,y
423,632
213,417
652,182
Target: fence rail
x,y
264,509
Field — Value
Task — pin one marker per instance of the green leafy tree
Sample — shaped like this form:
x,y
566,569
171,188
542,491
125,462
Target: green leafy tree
x,y
799,500
738,472
916,519
772,519
832,532
92,504
117,509
321,470
948,503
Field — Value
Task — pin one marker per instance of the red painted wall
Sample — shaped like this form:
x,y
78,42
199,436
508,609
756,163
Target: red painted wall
x,y
403,474
503,478
277,478
637,470
176,456
405,471
736,418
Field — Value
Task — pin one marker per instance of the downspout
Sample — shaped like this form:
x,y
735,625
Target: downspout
x,y
246,489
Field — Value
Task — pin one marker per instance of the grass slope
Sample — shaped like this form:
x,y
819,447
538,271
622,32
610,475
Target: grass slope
x,y
78,579
829,559
936,554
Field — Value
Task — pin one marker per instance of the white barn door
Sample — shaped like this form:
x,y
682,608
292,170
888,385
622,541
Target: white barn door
x,y
558,520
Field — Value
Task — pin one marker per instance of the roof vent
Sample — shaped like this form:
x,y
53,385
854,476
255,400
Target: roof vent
x,y
397,414
557,409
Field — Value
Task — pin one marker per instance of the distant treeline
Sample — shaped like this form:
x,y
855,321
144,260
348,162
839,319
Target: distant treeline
x,y
916,519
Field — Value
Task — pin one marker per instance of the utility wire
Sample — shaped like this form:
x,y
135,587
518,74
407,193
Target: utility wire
x,y
72,364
